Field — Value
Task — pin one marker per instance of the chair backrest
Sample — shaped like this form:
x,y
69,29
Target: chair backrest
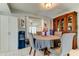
x,y
58,33
66,42
31,40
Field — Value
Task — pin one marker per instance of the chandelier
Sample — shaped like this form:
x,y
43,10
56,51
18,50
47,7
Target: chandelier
x,y
48,5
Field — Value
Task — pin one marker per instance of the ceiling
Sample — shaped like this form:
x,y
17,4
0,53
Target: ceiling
x,y
4,8
36,8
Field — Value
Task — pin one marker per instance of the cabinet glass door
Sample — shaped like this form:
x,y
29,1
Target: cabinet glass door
x,y
62,24
59,28
69,24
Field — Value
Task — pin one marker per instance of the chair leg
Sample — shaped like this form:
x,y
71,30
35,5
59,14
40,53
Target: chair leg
x,y
46,51
30,50
34,53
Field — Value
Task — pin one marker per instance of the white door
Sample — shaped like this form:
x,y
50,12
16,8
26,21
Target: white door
x,y
3,33
13,33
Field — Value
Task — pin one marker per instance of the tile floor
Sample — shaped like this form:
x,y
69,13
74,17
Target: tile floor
x,y
25,52
74,52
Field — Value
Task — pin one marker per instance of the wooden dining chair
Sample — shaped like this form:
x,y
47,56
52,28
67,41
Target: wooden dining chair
x,y
32,44
66,43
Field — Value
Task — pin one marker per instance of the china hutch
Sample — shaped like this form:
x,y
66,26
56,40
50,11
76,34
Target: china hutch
x,y
66,23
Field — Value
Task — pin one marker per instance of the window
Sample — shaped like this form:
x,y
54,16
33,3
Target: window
x,y
32,30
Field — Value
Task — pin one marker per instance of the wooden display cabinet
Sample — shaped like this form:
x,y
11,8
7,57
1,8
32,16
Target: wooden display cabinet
x,y
66,23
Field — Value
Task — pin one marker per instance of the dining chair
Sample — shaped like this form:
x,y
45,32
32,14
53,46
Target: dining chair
x,y
66,43
32,44
58,33
56,43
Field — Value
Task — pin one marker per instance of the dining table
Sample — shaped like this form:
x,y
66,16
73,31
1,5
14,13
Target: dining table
x,y
48,37
45,41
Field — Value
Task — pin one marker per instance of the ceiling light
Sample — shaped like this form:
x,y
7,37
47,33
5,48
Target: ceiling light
x,y
48,5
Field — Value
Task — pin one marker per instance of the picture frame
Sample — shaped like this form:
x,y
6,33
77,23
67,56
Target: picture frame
x,y
22,23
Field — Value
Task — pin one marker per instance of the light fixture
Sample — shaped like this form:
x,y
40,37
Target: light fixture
x,y
48,5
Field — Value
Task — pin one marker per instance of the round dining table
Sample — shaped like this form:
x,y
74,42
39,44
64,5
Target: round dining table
x,y
45,41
